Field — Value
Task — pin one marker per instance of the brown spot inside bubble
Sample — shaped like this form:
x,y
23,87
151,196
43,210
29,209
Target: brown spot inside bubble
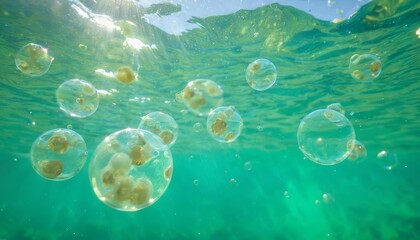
x,y
88,108
255,67
168,173
79,101
125,75
23,65
218,127
359,150
375,67
358,75
123,189
167,136
223,116
141,193
229,137
188,93
58,144
88,90
351,144
213,90
197,102
140,155
352,156
328,114
110,176
151,125
51,168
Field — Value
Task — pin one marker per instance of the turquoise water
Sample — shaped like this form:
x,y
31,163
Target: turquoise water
x,y
258,187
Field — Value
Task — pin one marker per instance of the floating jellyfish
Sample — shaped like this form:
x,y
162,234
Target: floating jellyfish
x,y
224,124
130,169
125,75
77,98
58,154
358,153
326,137
365,67
261,74
202,95
162,125
33,60
387,160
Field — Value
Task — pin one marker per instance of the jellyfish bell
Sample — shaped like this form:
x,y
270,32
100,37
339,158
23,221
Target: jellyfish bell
x,y
125,75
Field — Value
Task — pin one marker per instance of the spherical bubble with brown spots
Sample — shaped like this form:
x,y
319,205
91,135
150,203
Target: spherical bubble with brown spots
x,y
224,124
130,169
58,154
162,125
365,67
202,95
33,60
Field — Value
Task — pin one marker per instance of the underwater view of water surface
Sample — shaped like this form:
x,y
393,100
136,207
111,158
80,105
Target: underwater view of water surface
x,y
265,122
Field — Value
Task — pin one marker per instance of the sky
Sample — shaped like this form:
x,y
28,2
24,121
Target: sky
x,y
177,23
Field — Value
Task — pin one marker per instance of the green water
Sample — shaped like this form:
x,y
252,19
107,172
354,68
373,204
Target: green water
x,y
277,197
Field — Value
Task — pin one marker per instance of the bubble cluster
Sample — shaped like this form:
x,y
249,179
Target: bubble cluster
x,y
365,67
161,124
202,95
77,98
33,60
326,136
261,74
358,153
130,169
224,124
58,154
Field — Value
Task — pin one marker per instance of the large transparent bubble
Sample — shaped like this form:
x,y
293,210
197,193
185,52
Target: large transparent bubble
x,y
162,125
77,98
58,154
326,137
365,67
224,124
261,74
202,95
33,60
130,169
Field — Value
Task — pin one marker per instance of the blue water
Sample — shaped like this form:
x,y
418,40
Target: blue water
x,y
260,186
